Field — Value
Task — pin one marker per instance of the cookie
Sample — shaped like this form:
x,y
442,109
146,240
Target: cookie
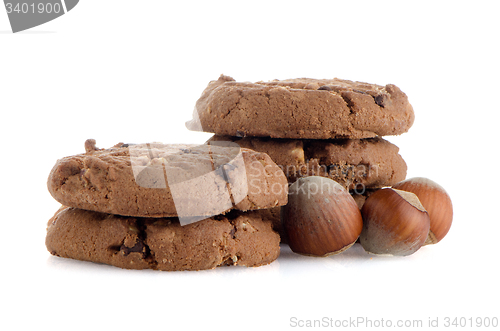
x,y
157,180
356,164
302,108
238,238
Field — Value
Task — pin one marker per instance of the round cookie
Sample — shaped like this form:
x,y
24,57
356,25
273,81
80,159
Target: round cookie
x,y
156,180
356,164
302,108
238,238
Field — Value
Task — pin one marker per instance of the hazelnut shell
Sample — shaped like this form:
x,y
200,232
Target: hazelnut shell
x,y
321,217
436,201
394,223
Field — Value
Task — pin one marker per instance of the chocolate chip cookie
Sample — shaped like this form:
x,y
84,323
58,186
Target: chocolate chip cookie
x,y
302,108
238,238
157,180
356,164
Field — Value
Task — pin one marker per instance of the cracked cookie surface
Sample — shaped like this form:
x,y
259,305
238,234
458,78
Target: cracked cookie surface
x,y
157,180
238,238
302,108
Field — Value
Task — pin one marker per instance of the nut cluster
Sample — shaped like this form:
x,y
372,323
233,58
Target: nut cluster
x,y
322,218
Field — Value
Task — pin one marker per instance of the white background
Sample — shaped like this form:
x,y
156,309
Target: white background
x,y
132,71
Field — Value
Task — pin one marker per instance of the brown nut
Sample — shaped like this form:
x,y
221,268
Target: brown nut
x,y
321,217
437,203
394,223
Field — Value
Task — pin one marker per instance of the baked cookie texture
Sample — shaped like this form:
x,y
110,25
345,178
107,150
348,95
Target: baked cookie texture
x,y
353,163
238,238
157,180
302,108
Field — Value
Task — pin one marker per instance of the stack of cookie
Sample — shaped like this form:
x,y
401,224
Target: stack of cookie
x,y
180,207
322,127
166,207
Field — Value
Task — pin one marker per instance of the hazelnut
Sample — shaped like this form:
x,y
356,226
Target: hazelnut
x,y
437,203
394,223
321,217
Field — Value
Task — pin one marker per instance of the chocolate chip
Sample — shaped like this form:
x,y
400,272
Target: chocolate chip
x,y
382,100
120,145
325,88
240,133
139,247
359,91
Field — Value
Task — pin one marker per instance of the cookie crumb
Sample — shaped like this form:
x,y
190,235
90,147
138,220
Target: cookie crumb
x,y
90,145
